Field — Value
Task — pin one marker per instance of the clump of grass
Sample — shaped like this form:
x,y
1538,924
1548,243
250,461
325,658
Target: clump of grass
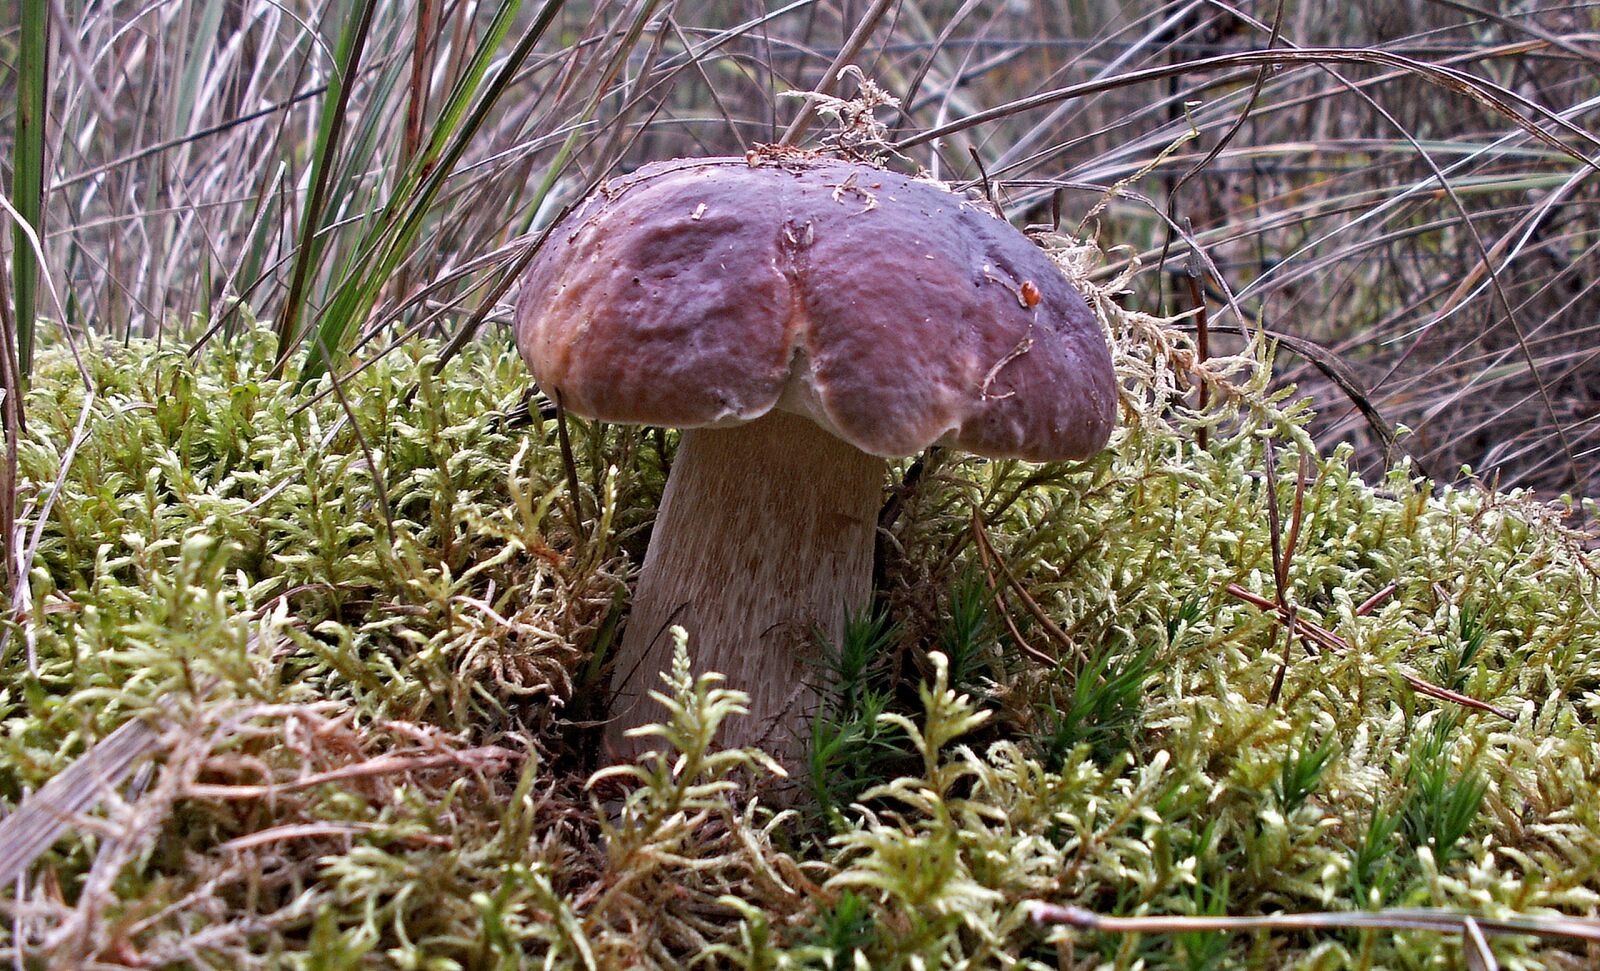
x,y
1102,708
1441,806
852,747
1303,767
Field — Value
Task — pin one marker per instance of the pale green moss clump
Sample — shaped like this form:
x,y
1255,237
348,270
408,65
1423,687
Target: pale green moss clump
x,y
376,704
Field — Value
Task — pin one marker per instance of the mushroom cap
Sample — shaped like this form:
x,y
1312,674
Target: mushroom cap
x,y
891,311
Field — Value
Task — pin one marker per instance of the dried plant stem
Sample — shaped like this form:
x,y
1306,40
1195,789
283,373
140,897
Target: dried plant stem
x,y
487,756
1438,921
13,421
986,563
1202,344
987,554
1376,600
47,814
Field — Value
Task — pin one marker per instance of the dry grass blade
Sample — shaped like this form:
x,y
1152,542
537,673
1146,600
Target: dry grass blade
x,y
1490,95
1476,947
1375,601
22,565
45,815
13,423
852,47
280,834
986,557
1330,365
1454,697
1233,130
485,757
200,134
1282,556
1557,928
987,554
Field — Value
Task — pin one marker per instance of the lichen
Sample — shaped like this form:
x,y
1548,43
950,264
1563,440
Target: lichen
x,y
378,749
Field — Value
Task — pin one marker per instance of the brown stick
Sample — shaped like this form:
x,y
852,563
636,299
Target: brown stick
x,y
1371,603
985,553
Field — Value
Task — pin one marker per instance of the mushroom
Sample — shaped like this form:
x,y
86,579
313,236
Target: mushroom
x,y
802,319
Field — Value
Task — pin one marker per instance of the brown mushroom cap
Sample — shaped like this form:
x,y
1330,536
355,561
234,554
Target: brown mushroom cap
x,y
891,311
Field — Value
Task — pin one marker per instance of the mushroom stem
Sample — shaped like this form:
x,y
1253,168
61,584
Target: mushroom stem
x,y
764,538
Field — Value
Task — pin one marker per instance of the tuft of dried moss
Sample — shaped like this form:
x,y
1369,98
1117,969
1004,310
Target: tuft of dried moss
x,y
372,663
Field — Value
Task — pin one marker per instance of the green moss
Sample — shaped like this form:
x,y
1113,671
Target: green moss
x,y
419,703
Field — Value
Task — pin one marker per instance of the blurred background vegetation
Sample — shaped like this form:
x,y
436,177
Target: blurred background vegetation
x,y
1403,183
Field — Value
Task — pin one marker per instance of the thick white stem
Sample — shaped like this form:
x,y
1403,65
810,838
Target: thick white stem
x,y
764,538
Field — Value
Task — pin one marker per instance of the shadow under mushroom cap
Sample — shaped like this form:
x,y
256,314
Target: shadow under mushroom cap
x,y
897,314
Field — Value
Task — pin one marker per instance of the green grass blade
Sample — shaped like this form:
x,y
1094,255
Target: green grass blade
x,y
196,59
27,167
462,116
347,59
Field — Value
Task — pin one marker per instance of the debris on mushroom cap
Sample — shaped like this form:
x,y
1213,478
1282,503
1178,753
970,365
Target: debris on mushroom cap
x,y
897,314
